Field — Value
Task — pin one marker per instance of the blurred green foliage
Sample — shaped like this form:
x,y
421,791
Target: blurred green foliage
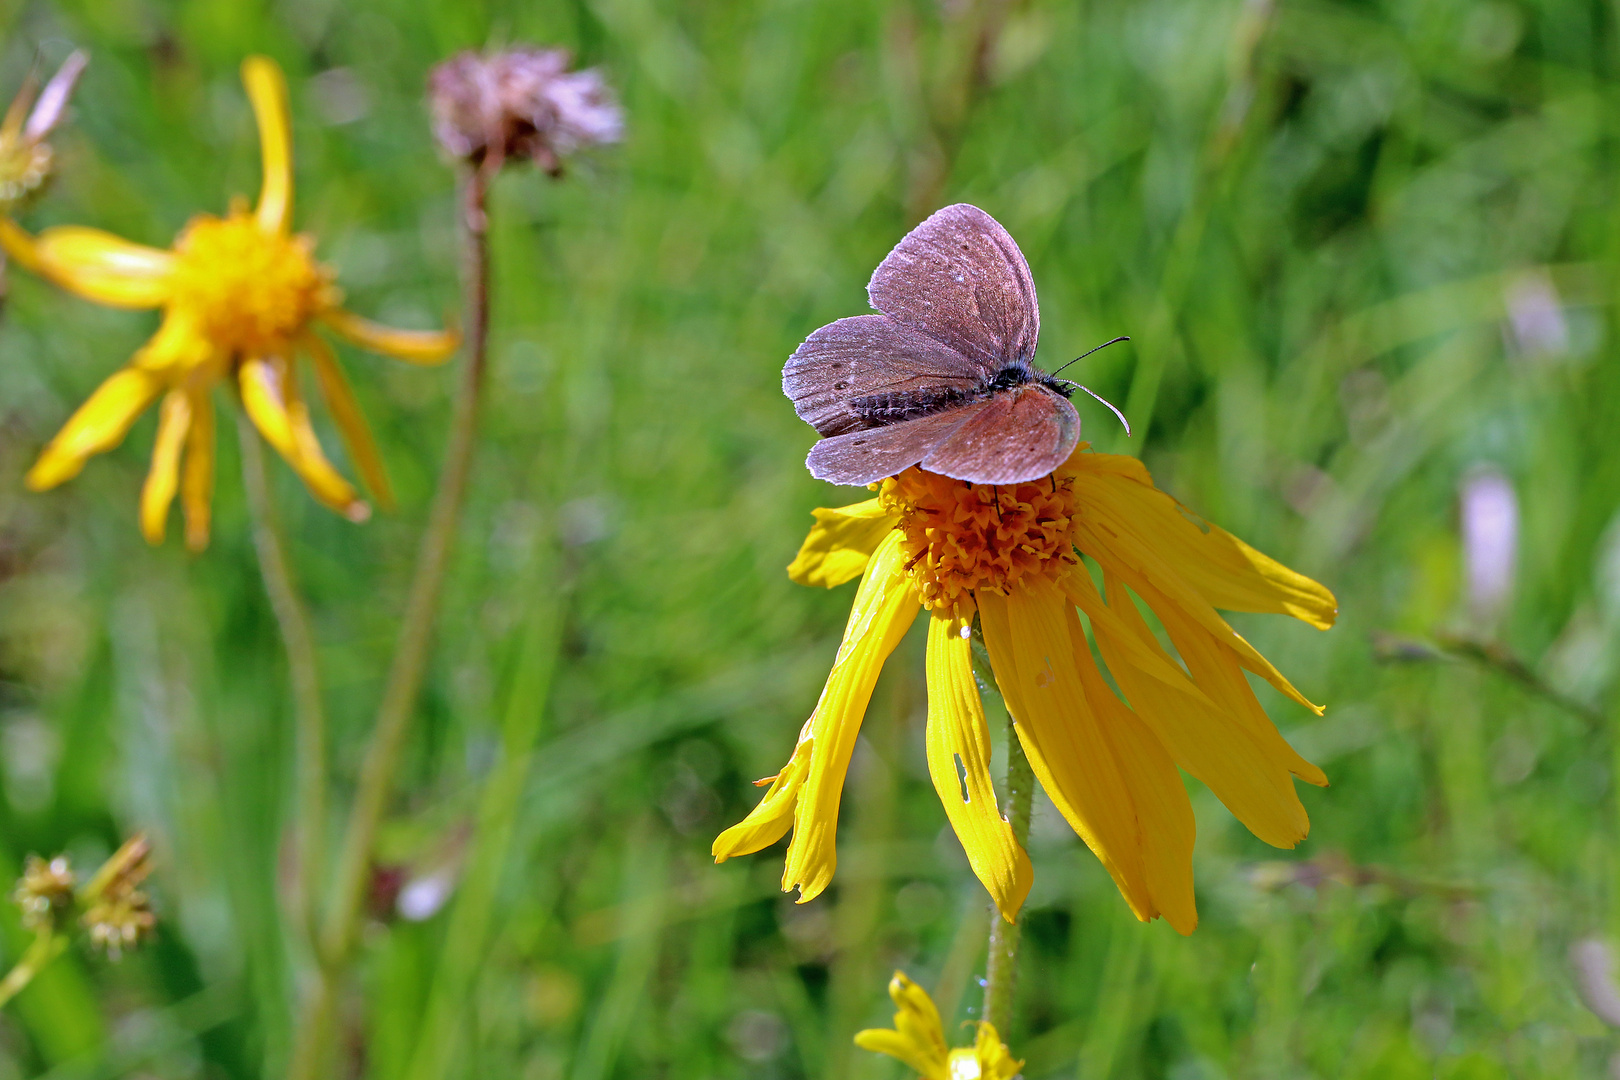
x,y
1367,251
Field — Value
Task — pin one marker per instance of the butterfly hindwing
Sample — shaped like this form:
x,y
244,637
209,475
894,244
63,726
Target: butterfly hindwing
x,y
867,456
1020,435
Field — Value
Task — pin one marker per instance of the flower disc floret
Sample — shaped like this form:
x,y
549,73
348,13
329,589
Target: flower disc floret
x,y
249,290
961,537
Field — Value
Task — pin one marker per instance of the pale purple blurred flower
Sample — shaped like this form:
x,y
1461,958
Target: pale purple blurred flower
x,y
1536,317
521,103
25,156
1490,528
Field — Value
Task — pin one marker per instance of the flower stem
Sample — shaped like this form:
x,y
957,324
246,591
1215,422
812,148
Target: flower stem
x,y
292,619
1002,977
45,948
410,653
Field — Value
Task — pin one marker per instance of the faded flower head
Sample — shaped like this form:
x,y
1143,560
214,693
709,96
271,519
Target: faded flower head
x,y
117,913
521,103
25,156
44,892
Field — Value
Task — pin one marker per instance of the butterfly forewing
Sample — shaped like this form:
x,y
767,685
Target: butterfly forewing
x,y
959,278
1020,435
841,376
865,457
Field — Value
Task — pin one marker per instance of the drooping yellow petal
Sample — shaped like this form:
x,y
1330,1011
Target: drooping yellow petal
x,y
773,817
94,264
1163,811
840,543
267,90
97,426
884,608
959,763
1216,669
995,1061
1033,661
1224,570
351,422
174,421
1112,544
271,398
412,346
197,474
1149,659
1204,740
918,1037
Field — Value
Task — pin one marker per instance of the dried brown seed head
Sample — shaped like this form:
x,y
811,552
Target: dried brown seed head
x,y
44,892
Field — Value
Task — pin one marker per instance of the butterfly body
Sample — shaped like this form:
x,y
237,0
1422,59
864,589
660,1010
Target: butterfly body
x,y
942,377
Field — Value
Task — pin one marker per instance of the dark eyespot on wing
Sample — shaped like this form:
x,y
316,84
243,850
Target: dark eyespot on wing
x,y
1019,435
862,357
959,278
865,457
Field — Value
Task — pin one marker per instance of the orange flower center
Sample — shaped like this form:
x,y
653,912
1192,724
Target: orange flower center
x,y
249,290
961,537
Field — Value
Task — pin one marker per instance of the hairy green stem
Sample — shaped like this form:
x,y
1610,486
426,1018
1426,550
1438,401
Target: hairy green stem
x,y
45,948
1002,975
433,559
309,713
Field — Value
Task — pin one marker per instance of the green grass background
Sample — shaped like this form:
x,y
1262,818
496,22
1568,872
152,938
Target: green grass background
x,y
1317,220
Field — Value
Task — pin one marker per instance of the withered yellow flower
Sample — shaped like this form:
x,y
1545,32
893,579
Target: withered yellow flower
x,y
25,156
1012,557
918,1040
240,296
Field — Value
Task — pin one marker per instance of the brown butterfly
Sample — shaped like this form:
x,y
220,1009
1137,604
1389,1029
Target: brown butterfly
x,y
943,376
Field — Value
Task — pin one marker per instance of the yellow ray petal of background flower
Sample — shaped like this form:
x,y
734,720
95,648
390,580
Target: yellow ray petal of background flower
x,y
1034,667
271,399
884,608
94,264
1227,572
918,1036
163,478
197,474
959,739
994,1060
1163,811
350,420
840,543
412,346
267,91
773,817
1203,739
96,426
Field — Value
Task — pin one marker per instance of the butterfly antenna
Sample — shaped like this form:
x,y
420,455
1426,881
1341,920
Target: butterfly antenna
x,y
1110,405
1088,352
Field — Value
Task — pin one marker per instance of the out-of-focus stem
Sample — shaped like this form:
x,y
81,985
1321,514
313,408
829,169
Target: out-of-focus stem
x,y
410,654
1002,977
309,713
46,947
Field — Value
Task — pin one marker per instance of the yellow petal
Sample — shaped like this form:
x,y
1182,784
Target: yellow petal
x,y
351,422
884,608
1227,572
197,475
412,346
994,1060
97,426
267,90
94,264
1204,740
773,817
1033,661
1122,554
1215,668
1147,658
270,396
174,421
840,543
959,762
1163,811
918,1038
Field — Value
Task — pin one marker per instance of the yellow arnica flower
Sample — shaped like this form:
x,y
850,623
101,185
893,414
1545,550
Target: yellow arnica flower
x,y
918,1039
1012,557
240,297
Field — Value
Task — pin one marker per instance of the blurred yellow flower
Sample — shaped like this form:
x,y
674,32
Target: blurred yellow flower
x,y
918,1040
239,296
1011,555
